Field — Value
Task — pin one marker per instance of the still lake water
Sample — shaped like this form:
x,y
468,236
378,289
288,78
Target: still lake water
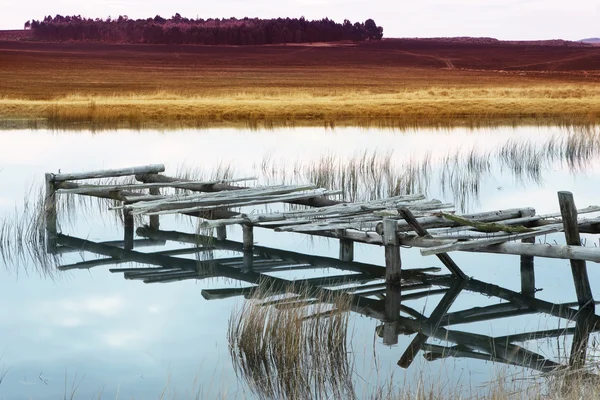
x,y
128,339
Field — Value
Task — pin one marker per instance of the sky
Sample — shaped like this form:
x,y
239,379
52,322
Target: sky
x,y
502,19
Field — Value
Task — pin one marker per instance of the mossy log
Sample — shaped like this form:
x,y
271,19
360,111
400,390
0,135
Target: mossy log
x,y
484,226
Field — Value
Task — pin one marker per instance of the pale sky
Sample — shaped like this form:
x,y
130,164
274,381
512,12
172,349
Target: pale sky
x,y
502,19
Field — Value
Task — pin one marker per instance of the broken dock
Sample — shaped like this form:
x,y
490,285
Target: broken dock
x,y
407,220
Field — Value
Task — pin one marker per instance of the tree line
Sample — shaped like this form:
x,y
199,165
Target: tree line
x,y
180,30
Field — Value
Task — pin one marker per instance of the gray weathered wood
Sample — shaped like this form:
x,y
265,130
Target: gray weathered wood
x,y
313,202
155,219
393,297
346,249
483,243
436,316
248,243
128,231
528,272
50,215
109,173
221,232
393,263
578,267
443,257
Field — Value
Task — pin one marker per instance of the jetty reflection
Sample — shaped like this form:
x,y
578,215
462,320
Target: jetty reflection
x,y
366,289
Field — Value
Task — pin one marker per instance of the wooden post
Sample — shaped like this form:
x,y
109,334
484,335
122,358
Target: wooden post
x,y
128,229
578,267
222,232
393,263
392,314
50,214
393,276
248,246
581,337
528,272
154,219
346,247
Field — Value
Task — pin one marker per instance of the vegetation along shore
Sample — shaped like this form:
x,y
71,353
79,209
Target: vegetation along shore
x,y
394,81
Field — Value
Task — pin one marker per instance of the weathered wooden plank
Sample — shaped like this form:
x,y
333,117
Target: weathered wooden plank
x,y
578,267
103,188
483,243
245,203
109,173
181,200
313,202
488,216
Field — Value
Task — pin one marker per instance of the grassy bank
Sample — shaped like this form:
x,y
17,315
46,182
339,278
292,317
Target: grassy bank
x,y
393,83
562,104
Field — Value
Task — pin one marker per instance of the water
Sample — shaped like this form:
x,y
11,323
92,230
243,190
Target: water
x,y
102,334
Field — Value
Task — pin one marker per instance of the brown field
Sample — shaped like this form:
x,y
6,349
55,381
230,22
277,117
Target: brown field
x,y
415,81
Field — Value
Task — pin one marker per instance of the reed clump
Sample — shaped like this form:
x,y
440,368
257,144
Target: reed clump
x,y
292,346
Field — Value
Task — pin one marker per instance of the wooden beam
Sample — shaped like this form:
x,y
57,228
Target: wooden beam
x,y
421,231
109,173
313,202
578,267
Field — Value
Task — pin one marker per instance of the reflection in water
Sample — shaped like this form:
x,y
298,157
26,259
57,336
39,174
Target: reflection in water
x,y
289,340
293,346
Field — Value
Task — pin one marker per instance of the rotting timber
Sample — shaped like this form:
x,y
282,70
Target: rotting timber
x,y
378,292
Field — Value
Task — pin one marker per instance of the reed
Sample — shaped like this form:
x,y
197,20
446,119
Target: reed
x,y
295,351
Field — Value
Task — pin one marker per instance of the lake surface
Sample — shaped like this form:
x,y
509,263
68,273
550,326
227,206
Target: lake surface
x,y
106,335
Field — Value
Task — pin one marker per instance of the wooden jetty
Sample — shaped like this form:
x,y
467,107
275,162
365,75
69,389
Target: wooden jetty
x,y
379,292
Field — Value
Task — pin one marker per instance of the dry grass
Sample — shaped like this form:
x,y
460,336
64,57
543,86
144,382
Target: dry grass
x,y
567,103
295,349
368,84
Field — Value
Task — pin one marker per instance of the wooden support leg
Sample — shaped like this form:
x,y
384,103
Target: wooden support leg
x,y
346,248
578,267
128,229
154,219
393,276
248,246
583,326
50,214
221,232
392,313
393,263
527,272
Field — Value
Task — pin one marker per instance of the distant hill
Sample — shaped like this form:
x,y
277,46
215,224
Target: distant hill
x,y
590,40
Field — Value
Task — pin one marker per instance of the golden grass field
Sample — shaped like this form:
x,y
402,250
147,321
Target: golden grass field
x,y
394,82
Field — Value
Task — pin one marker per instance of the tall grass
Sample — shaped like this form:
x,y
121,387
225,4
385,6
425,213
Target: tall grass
x,y
23,237
460,175
294,351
